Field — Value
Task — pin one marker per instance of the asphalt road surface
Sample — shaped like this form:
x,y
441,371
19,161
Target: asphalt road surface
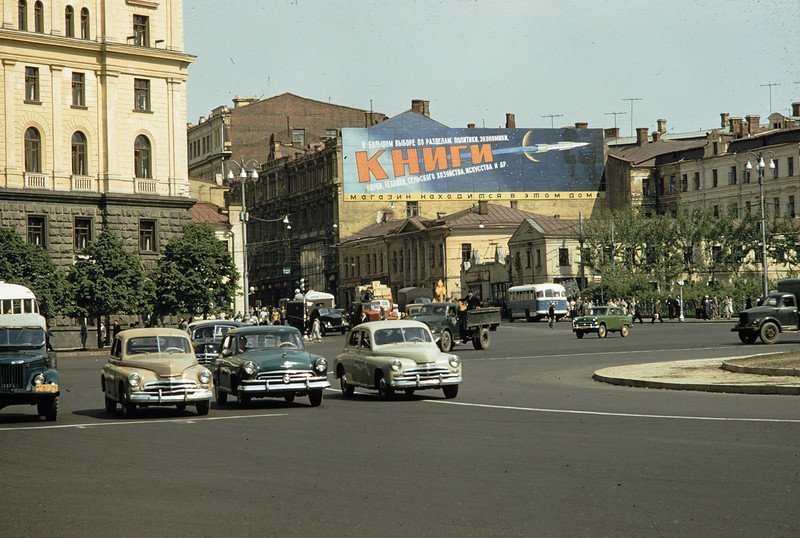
x,y
531,446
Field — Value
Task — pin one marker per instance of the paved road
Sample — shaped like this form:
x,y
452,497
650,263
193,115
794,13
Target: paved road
x,y
531,446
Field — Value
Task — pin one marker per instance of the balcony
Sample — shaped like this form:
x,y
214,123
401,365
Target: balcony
x,y
34,180
83,183
146,186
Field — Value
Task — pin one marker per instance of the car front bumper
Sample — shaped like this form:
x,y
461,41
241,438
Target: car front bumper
x,y
418,382
585,326
265,387
159,398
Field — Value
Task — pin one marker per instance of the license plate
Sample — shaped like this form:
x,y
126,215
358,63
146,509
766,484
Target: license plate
x,y
46,388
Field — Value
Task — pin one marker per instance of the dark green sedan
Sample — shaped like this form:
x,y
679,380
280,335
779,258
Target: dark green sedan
x,y
268,362
603,320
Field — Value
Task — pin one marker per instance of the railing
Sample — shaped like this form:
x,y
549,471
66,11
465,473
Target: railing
x,y
145,186
36,181
83,183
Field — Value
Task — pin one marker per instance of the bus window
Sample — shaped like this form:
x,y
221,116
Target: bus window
x,y
6,306
16,306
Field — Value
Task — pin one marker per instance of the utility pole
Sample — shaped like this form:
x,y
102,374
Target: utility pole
x,y
632,99
615,114
770,85
553,116
581,275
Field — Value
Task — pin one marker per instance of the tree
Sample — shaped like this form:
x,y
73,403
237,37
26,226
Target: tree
x,y
196,274
30,266
107,280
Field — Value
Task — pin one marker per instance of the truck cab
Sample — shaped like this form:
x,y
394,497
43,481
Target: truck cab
x,y
778,313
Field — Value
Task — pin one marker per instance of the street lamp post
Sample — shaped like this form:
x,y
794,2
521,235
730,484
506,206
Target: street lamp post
x,y
242,166
760,165
681,318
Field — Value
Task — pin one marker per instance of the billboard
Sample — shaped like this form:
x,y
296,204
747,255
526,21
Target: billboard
x,y
433,162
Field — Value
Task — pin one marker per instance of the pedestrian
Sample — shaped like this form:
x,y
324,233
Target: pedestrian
x,y
102,332
383,314
183,324
115,329
708,308
84,334
316,329
551,315
656,312
670,308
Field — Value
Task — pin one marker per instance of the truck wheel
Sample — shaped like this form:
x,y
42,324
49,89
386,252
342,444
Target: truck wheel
x,y
601,331
747,338
446,342
482,340
48,408
624,330
769,333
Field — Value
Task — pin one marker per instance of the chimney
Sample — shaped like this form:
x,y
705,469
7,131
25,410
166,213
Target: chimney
x,y
656,136
200,120
662,126
753,121
513,204
370,119
420,106
470,126
736,126
611,132
795,110
641,136
483,207
242,101
725,119
581,125
511,121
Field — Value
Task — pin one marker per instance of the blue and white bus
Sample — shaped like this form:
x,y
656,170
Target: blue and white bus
x,y
532,301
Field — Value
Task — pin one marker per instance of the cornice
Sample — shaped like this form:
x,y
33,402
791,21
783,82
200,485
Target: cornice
x,y
94,198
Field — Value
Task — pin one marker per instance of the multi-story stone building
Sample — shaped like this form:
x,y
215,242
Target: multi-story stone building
x,y
209,145
93,120
546,249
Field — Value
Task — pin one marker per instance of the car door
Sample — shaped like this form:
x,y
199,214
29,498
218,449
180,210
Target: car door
x,y
364,356
223,362
788,311
349,354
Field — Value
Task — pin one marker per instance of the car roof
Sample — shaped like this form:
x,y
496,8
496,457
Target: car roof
x,y
373,326
214,322
263,329
127,334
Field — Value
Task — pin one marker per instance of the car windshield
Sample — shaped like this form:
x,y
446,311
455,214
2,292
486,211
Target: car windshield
x,y
602,311
771,301
401,335
326,311
210,331
267,341
158,344
434,310
22,337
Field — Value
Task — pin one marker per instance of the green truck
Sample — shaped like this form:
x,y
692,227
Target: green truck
x,y
451,326
777,314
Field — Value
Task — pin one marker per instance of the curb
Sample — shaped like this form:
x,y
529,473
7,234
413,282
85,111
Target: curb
x,y
700,387
760,370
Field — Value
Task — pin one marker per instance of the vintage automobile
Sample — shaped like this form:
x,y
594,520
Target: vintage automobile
x,y
268,361
154,367
603,320
331,320
27,369
452,326
395,355
207,336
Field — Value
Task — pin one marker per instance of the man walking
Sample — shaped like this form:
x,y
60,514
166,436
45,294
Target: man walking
x,y
656,312
551,315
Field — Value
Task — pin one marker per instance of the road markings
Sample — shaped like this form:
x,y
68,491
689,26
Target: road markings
x,y
628,415
142,422
596,353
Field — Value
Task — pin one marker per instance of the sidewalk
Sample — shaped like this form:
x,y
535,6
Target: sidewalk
x,y
759,374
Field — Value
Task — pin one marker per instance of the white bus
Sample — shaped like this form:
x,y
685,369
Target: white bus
x,y
532,301
16,299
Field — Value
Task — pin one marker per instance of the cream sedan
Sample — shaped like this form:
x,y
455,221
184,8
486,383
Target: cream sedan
x,y
388,356
154,367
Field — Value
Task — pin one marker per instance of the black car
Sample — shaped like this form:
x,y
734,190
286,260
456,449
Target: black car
x,y
207,336
331,320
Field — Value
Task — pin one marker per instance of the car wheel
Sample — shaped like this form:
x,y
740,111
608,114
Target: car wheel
x,y
347,389
111,405
482,340
769,333
315,397
409,392
48,408
342,331
384,390
446,341
288,398
220,397
601,331
747,338
450,391
202,408
181,407
624,331
579,334
244,399
128,408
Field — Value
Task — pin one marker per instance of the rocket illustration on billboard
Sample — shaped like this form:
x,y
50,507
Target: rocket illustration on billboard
x,y
529,149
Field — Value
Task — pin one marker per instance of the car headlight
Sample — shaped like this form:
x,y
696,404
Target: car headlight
x,y
204,377
327,323
134,379
249,368
320,365
396,365
454,361
38,379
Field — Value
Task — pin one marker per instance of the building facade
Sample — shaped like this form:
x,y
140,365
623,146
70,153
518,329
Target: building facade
x,y
546,249
209,145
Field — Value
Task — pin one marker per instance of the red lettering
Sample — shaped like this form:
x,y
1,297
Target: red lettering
x,y
369,165
435,158
400,162
481,154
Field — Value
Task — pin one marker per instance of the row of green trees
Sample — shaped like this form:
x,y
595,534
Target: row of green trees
x,y
195,276
645,255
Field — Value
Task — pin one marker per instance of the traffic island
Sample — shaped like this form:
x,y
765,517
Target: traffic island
x,y
707,375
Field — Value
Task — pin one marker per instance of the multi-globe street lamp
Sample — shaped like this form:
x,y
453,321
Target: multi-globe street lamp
x,y
242,166
760,166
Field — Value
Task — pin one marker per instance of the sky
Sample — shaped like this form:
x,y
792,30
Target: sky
x,y
476,60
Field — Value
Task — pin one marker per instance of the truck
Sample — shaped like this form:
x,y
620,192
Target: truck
x,y
450,325
775,315
28,373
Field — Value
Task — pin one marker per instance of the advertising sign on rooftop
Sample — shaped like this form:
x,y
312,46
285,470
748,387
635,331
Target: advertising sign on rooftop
x,y
433,162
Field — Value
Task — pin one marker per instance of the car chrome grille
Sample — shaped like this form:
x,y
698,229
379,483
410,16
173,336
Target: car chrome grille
x,y
12,376
433,372
295,376
169,387
742,320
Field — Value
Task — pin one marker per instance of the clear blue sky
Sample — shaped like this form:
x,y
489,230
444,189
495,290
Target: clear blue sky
x,y
475,60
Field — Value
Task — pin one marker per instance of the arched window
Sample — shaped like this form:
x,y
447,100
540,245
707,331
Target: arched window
x,y
33,151
69,20
142,163
23,15
38,17
84,23
80,164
